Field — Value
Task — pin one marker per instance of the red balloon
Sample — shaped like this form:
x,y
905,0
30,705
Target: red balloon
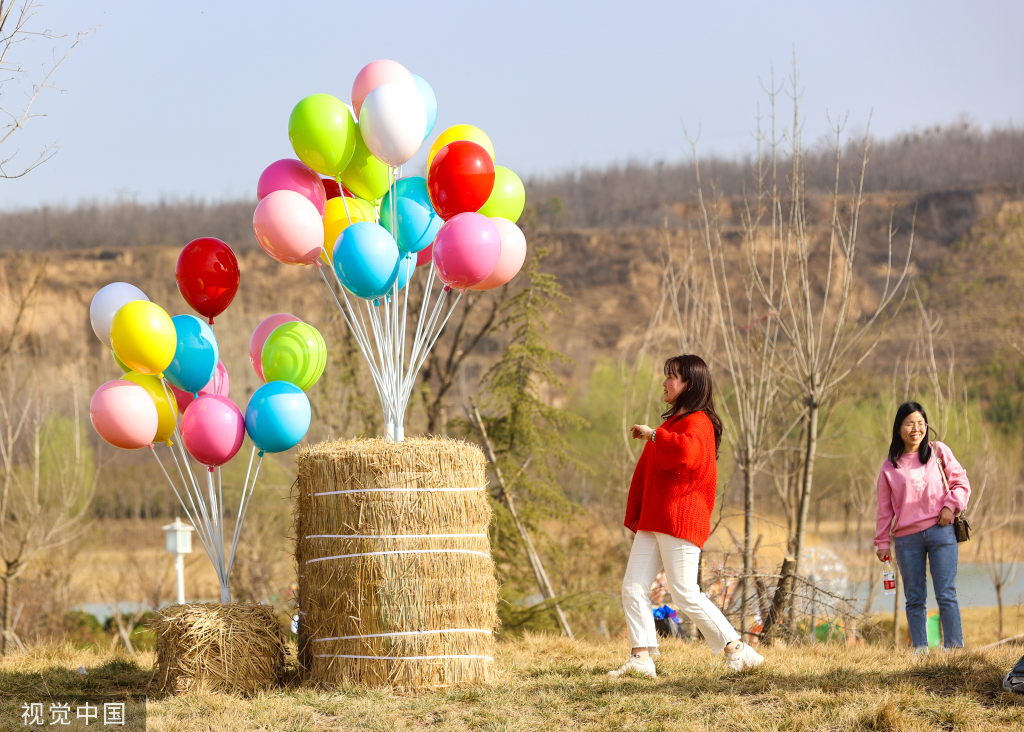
x,y
207,275
334,190
461,178
425,256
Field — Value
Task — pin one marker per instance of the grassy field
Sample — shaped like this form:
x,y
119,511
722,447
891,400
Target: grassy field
x,y
550,683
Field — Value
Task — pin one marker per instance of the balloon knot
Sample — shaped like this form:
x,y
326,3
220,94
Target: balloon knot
x,y
447,288
170,443
376,303
210,469
195,395
152,447
211,321
261,453
317,263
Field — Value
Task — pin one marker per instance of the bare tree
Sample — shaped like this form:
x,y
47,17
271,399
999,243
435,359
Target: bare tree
x,y
18,25
822,338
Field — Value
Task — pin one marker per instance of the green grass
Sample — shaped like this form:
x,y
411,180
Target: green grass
x,y
546,682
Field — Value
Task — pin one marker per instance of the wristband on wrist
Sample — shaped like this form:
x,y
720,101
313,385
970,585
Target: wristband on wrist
x,y
653,433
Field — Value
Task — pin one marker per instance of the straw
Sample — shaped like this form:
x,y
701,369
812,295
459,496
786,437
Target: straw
x,y
396,579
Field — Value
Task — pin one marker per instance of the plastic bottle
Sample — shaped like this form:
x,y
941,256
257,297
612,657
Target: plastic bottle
x,y
888,578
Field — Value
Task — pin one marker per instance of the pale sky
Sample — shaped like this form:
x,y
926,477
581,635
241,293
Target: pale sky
x,y
191,99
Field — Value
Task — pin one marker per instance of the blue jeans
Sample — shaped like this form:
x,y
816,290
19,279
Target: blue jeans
x,y
936,545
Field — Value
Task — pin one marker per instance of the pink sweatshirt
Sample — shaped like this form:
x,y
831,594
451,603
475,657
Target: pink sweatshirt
x,y
916,495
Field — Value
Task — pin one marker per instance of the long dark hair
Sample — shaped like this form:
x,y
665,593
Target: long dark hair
x,y
924,451
699,394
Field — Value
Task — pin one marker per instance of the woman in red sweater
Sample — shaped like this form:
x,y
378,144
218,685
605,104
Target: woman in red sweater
x,y
669,509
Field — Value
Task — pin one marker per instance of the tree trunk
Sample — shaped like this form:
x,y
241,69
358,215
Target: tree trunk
x,y
896,609
748,546
779,600
808,480
999,601
8,601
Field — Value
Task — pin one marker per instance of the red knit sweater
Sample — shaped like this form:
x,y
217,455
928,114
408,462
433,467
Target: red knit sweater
x,y
673,486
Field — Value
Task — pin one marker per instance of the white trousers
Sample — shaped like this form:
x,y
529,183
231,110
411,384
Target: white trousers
x,y
650,554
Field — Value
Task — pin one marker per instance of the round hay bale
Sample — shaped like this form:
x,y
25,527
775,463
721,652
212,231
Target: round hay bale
x,y
236,648
396,579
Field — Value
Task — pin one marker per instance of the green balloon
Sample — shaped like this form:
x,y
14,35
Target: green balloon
x,y
323,133
365,176
294,352
508,197
119,362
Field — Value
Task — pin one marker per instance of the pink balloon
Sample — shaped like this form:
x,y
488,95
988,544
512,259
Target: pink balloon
x,y
510,261
219,384
373,75
260,336
289,227
212,429
124,414
291,175
466,250
424,256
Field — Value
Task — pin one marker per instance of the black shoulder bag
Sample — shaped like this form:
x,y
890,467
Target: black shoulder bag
x,y
960,525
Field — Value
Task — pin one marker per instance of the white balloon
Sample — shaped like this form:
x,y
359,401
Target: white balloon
x,y
108,301
393,122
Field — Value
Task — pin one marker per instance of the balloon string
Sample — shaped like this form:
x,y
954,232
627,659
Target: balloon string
x,y
244,509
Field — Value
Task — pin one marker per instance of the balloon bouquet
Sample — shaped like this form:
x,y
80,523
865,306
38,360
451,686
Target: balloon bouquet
x,y
373,228
176,386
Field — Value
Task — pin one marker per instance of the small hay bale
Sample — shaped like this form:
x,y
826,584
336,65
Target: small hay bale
x,y
236,648
396,580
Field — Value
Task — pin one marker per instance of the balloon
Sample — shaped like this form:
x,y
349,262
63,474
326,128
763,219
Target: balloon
x,y
406,267
207,276
461,178
108,301
366,260
418,224
429,102
365,176
323,133
508,197
195,356
294,352
277,416
338,218
425,256
219,384
467,250
166,410
143,337
212,429
331,188
510,261
291,175
393,122
118,362
124,415
460,132
373,75
289,227
260,336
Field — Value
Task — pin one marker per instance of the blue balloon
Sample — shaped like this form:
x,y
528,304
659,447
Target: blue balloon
x,y
405,269
418,223
366,260
196,355
277,416
429,102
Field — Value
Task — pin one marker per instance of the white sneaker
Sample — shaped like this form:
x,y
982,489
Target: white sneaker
x,y
743,658
635,665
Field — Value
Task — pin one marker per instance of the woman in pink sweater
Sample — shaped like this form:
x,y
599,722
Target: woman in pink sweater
x,y
911,490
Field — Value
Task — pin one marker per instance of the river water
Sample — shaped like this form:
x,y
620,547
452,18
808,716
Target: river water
x,y
973,585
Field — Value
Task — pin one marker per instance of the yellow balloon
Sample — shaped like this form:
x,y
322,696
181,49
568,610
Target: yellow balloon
x,y
167,411
460,132
336,220
143,337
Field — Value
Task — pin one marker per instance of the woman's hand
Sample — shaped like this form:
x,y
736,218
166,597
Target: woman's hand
x,y
945,516
882,554
641,432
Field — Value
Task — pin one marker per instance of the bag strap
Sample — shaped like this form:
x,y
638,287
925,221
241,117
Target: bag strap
x,y
942,470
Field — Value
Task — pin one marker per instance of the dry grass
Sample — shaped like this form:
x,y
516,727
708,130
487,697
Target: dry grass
x,y
233,647
394,562
550,683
